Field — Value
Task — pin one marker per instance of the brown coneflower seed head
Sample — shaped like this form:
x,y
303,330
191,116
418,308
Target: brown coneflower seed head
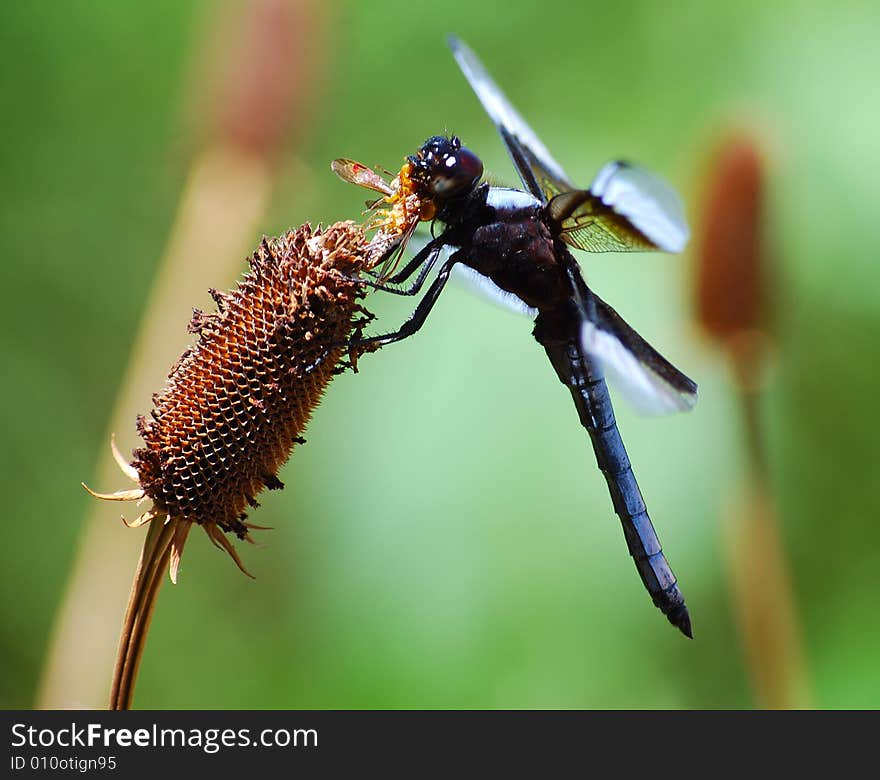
x,y
237,402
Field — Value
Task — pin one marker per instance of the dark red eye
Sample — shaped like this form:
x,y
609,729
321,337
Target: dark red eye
x,y
456,173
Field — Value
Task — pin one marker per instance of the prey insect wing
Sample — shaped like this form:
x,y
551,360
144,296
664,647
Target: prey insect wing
x,y
357,173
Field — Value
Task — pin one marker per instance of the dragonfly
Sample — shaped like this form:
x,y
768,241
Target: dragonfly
x,y
516,244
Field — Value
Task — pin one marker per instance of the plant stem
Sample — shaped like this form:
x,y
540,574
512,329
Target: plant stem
x,y
145,588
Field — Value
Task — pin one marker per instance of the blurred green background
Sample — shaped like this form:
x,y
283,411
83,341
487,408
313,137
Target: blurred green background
x,y
446,539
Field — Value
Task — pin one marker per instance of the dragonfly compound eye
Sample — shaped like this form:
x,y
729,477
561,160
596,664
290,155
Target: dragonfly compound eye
x,y
455,173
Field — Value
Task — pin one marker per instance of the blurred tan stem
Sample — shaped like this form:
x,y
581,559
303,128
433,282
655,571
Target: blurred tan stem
x,y
735,308
763,596
225,197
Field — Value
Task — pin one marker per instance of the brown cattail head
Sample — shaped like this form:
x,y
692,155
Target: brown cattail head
x,y
263,67
730,274
237,402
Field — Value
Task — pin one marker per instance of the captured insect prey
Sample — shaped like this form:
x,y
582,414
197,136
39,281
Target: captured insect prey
x,y
516,243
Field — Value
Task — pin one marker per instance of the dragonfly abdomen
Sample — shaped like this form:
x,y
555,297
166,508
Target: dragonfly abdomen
x,y
629,505
593,403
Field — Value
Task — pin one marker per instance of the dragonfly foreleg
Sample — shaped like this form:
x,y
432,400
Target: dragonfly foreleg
x,y
416,319
426,258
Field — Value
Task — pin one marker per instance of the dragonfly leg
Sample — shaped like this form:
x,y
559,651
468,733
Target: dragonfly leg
x,y
426,258
404,273
416,319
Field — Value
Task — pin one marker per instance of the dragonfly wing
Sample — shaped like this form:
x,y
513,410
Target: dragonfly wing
x,y
627,209
486,288
540,173
641,374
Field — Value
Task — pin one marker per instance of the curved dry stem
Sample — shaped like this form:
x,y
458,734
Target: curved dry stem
x,y
142,600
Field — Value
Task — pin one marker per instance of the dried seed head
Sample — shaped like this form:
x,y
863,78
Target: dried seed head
x,y
237,402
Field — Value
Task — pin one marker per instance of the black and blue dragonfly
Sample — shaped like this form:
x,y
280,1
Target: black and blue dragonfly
x,y
516,244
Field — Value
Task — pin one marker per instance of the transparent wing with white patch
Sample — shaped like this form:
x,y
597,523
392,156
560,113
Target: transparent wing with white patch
x,y
651,385
647,380
626,209
539,171
645,390
486,288
646,200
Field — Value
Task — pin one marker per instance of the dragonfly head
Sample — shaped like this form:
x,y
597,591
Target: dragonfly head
x,y
443,169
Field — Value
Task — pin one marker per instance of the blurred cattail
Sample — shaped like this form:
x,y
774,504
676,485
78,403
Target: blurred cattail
x,y
235,405
731,292
260,93
734,303
733,296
